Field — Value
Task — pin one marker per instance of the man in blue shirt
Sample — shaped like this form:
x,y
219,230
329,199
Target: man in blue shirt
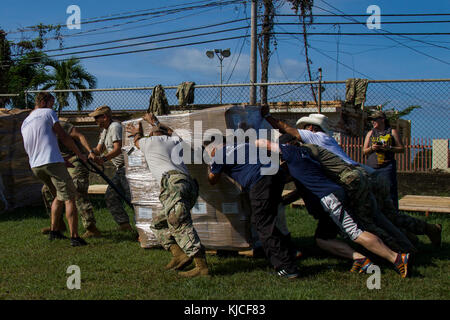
x,y
265,195
332,197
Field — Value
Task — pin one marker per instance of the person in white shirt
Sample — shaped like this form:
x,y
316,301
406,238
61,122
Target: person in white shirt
x,y
40,132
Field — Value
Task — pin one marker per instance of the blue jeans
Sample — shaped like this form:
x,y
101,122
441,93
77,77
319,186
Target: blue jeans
x,y
390,172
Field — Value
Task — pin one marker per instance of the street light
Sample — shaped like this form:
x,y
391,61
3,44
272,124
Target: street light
x,y
221,54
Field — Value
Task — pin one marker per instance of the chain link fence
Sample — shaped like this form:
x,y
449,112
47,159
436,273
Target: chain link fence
x,y
427,140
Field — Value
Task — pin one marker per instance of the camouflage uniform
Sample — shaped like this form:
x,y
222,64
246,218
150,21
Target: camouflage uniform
x,y
381,189
362,202
173,223
80,177
114,201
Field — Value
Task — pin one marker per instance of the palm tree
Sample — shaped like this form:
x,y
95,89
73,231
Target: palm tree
x,y
67,75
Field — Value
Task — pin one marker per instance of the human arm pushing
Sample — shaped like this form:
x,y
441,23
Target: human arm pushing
x,y
136,132
68,141
153,120
278,124
75,134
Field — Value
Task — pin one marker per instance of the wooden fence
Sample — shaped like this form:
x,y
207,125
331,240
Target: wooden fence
x,y
416,158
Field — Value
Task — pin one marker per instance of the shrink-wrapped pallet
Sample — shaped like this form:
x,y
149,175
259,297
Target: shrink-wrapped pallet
x,y
221,215
20,187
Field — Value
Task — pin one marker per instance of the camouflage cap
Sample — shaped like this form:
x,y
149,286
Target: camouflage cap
x,y
100,111
377,114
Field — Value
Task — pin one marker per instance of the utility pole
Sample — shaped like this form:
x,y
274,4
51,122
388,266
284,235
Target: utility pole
x,y
253,75
320,91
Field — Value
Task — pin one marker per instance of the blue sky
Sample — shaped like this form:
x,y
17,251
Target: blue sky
x,y
374,57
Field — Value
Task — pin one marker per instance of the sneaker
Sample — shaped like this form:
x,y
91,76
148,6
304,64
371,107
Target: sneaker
x,y
298,255
361,265
125,227
288,273
56,235
77,242
401,264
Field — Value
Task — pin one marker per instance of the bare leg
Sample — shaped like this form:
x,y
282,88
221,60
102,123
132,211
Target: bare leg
x,y
374,244
56,212
72,218
339,248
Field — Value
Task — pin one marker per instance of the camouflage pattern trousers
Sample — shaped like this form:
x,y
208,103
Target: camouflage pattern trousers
x,y
365,209
380,186
114,202
173,223
80,177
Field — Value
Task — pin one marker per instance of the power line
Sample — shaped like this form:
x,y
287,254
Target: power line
x,y
151,49
385,35
366,15
367,33
358,22
145,36
135,14
148,42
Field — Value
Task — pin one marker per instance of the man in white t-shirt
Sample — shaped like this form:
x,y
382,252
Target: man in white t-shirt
x,y
109,148
172,225
40,132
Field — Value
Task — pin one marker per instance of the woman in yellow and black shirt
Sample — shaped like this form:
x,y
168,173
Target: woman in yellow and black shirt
x,y
380,145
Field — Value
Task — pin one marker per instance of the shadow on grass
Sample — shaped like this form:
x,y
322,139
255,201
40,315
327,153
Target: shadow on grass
x,y
115,236
24,213
424,258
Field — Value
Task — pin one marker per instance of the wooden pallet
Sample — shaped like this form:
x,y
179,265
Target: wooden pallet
x,y
97,189
425,204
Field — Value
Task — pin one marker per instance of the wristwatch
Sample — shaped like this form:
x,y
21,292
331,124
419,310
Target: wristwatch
x,y
104,159
92,151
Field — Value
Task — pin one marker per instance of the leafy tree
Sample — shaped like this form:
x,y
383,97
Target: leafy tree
x,y
5,63
69,74
27,73
21,65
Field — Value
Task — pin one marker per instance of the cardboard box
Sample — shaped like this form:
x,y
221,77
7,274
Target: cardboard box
x,y
221,216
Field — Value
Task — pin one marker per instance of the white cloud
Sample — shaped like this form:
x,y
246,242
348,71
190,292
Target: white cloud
x,y
290,69
195,60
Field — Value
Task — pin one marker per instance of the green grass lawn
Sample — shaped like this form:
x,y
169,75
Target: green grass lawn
x,y
116,267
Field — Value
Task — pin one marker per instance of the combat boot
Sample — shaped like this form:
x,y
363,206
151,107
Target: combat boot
x,y
92,232
434,233
201,268
180,259
125,227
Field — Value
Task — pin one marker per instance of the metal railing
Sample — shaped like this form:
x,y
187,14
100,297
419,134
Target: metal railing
x,y
429,122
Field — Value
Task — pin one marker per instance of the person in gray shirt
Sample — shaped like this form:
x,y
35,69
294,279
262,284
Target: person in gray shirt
x,y
172,225
109,148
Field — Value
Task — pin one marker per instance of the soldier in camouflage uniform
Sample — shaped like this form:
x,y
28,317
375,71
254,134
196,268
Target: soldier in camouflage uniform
x,y
172,226
80,176
409,225
362,203
109,148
